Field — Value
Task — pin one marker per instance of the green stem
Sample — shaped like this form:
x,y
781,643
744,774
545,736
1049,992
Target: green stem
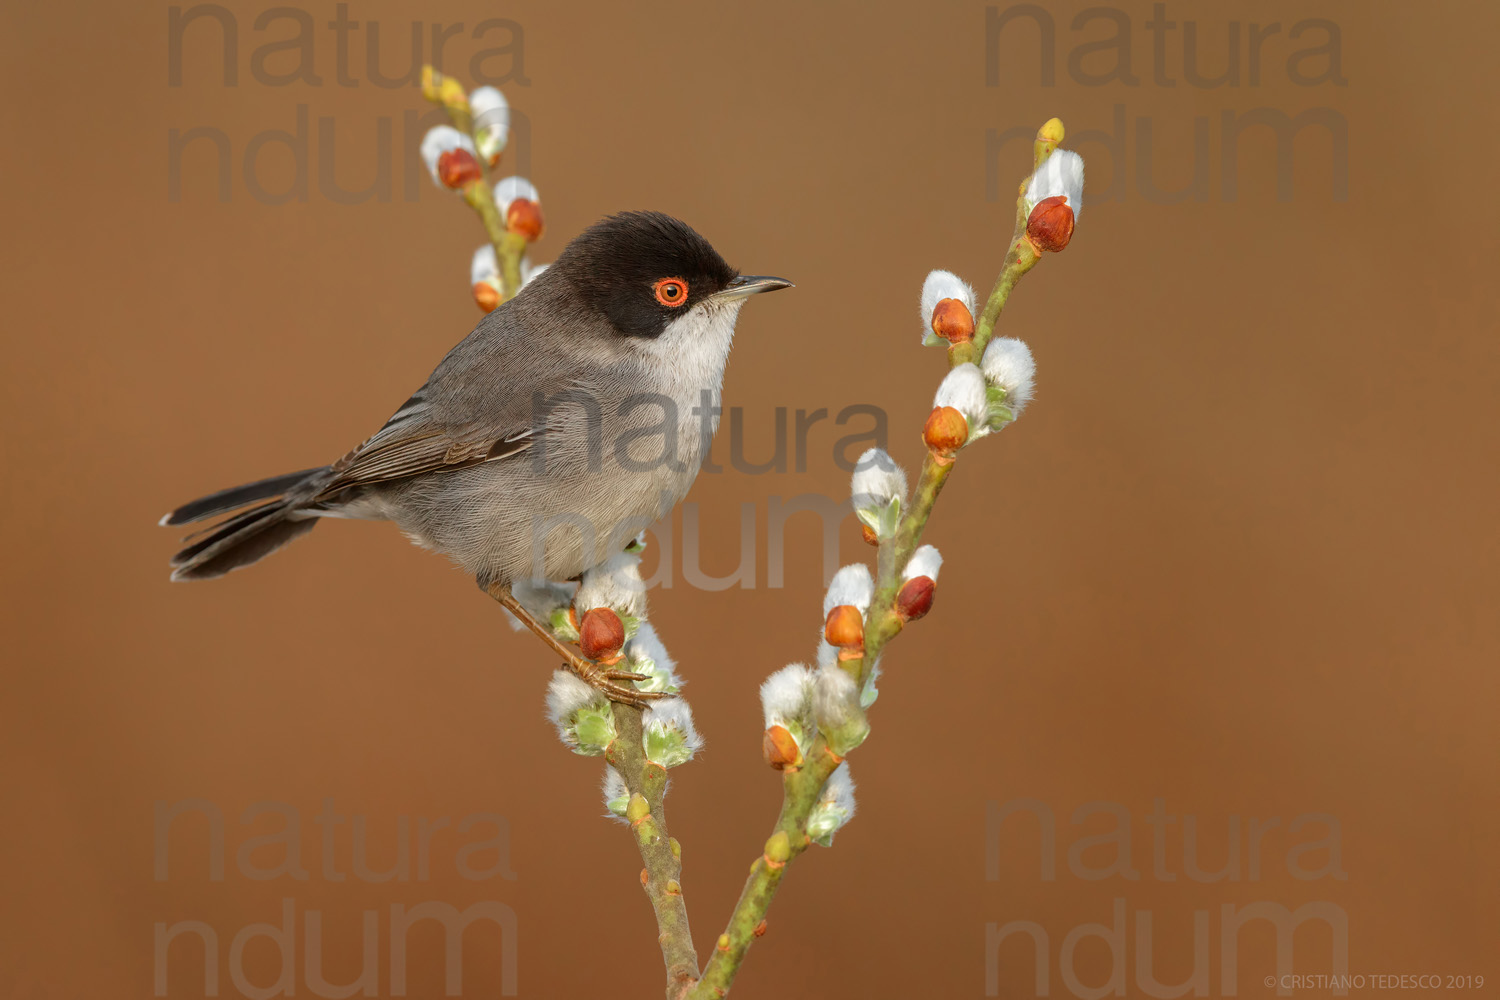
x,y
509,246
800,790
659,852
881,621
480,196
1020,258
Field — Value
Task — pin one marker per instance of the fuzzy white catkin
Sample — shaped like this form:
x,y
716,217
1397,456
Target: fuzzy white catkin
x,y
964,389
615,583
646,643
439,140
834,807
510,188
942,285
540,598
877,480
483,265
926,561
1060,174
835,697
645,646
566,694
786,696
838,791
1008,364
614,791
851,585
490,111
673,713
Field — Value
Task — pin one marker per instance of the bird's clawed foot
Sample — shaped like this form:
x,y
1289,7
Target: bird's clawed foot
x,y
605,679
601,677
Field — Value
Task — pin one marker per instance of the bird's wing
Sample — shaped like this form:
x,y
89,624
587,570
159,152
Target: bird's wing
x,y
477,406
403,452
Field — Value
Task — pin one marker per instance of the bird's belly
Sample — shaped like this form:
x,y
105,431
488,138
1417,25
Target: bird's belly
x,y
513,520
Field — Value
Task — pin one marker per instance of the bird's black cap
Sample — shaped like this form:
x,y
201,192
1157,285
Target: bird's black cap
x,y
643,269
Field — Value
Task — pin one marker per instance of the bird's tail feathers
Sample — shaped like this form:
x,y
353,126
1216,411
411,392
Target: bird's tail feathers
x,y
243,538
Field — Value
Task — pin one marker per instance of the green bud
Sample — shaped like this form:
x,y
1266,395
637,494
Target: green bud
x,y
824,822
848,734
637,808
562,626
593,729
657,679
834,808
669,735
1000,413
881,520
667,746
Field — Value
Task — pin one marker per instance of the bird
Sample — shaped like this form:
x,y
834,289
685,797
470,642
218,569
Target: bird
x,y
572,417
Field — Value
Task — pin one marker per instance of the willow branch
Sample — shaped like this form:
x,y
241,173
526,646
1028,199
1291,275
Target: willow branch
x,y
1019,258
662,856
801,786
800,789
480,194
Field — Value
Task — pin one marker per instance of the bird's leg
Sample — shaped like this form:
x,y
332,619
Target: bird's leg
x,y
601,678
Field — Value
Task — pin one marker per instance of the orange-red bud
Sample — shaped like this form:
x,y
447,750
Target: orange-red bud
x,y
952,321
946,430
868,534
779,749
760,928
524,216
915,598
486,295
845,627
1050,225
601,634
458,167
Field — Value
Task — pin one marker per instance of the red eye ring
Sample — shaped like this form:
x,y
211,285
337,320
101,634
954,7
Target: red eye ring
x,y
671,292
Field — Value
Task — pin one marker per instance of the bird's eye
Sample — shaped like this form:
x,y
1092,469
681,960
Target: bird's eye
x,y
671,292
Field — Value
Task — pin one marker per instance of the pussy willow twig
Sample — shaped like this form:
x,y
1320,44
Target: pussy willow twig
x,y
802,786
662,856
480,194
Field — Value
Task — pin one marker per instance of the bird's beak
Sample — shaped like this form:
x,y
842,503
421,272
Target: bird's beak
x,y
749,284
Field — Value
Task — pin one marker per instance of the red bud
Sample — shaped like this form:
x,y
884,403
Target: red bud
x,y
868,534
601,635
525,217
760,928
486,295
946,430
779,749
458,167
1050,226
952,321
845,627
915,598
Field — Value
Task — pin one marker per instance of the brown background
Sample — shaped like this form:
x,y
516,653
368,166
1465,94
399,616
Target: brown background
x,y
1239,556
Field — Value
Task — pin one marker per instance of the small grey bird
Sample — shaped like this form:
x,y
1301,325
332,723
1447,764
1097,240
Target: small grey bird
x,y
571,418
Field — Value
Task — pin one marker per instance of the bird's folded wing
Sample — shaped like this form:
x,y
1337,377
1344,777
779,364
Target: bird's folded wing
x,y
420,450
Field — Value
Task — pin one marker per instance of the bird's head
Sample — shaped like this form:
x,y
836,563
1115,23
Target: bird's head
x,y
650,274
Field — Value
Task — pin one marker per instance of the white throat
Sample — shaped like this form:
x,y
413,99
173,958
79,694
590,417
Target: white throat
x,y
693,350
